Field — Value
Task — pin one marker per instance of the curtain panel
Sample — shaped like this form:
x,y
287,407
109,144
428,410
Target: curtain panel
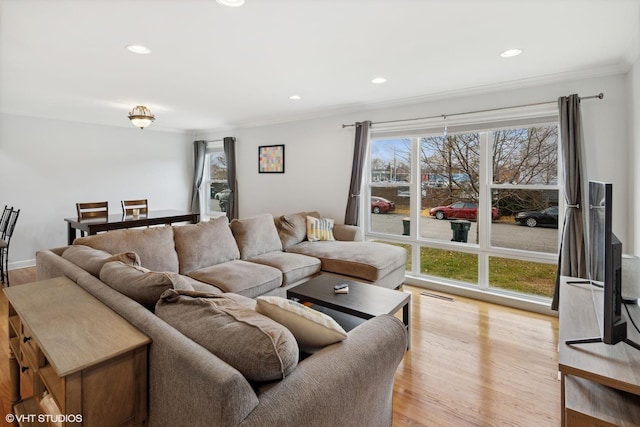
x,y
230,154
199,150
360,147
572,260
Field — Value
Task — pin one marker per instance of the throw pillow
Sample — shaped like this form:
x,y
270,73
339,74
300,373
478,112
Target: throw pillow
x,y
258,347
92,260
292,228
139,284
204,244
256,235
312,329
319,229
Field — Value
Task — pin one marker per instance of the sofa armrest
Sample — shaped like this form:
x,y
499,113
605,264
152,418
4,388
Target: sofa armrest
x,y
345,384
346,232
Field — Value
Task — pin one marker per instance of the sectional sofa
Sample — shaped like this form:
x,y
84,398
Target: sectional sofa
x,y
165,280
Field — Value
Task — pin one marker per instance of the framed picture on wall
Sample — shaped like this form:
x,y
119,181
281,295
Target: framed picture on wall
x,y
271,159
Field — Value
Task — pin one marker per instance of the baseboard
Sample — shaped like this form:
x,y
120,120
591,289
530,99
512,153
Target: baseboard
x,y
22,264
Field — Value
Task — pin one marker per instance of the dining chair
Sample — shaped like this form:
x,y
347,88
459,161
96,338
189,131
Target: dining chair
x,y
4,244
129,205
4,221
92,210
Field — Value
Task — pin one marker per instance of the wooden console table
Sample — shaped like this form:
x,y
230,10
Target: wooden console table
x,y
114,222
71,346
600,382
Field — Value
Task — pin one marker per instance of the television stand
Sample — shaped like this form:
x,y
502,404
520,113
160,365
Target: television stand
x,y
600,385
591,340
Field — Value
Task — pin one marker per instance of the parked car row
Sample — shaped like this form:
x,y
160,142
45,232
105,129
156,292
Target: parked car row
x,y
548,217
381,205
461,210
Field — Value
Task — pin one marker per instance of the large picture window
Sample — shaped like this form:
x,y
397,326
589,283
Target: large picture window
x,y
478,204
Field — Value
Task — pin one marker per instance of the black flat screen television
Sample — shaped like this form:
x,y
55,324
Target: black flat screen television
x,y
604,251
605,262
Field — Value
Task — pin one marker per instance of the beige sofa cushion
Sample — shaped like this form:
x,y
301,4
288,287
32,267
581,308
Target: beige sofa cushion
x,y
294,267
258,347
365,260
292,228
204,244
256,235
312,329
140,284
241,277
154,245
92,260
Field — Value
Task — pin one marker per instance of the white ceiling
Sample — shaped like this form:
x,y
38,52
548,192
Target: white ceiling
x,y
213,66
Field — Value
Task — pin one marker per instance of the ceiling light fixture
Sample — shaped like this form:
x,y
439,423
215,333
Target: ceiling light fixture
x,y
511,53
295,97
231,3
378,80
139,49
141,116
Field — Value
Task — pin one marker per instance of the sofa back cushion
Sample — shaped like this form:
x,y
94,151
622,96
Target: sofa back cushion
x,y
154,245
92,260
258,347
256,235
205,244
139,284
292,228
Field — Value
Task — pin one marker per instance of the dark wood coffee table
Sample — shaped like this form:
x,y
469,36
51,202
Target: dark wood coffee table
x,y
363,300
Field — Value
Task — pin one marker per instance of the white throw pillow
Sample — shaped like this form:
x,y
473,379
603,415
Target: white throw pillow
x,y
319,229
312,329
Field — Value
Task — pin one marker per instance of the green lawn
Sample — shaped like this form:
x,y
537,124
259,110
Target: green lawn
x,y
515,275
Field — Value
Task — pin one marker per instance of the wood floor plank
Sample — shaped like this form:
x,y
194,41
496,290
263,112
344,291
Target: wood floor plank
x,y
471,363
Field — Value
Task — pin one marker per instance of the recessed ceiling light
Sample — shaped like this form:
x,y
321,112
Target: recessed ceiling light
x,y
378,80
136,48
231,3
295,97
511,52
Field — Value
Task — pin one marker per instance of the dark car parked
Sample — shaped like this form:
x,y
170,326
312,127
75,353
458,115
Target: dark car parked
x,y
381,205
548,217
461,210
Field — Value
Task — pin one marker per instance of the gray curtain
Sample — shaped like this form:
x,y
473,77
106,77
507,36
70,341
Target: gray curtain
x,y
572,260
199,150
352,215
230,154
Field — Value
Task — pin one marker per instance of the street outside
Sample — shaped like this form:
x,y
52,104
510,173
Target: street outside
x,y
507,235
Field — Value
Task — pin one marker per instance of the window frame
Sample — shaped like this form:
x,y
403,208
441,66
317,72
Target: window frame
x,y
484,123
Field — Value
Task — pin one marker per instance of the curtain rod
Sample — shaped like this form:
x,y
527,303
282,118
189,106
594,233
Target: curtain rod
x,y
444,116
214,140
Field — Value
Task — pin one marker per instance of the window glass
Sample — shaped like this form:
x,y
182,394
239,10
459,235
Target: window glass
x,y
216,168
390,183
449,264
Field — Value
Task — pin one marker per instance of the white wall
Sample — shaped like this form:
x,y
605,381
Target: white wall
x,y
46,166
318,152
634,160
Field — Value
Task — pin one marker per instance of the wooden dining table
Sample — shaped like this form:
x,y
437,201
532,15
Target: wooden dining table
x,y
118,221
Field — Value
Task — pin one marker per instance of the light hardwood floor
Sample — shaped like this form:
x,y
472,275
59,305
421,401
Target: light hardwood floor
x,y
471,363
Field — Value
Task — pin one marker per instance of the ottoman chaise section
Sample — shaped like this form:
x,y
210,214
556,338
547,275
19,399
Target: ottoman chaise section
x,y
370,261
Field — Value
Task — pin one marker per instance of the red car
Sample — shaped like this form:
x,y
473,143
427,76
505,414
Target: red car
x,y
381,205
461,210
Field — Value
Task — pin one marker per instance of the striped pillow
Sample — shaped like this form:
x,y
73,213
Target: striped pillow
x,y
319,229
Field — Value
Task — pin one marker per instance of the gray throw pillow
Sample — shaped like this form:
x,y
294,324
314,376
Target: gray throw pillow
x,y
92,260
258,347
139,284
